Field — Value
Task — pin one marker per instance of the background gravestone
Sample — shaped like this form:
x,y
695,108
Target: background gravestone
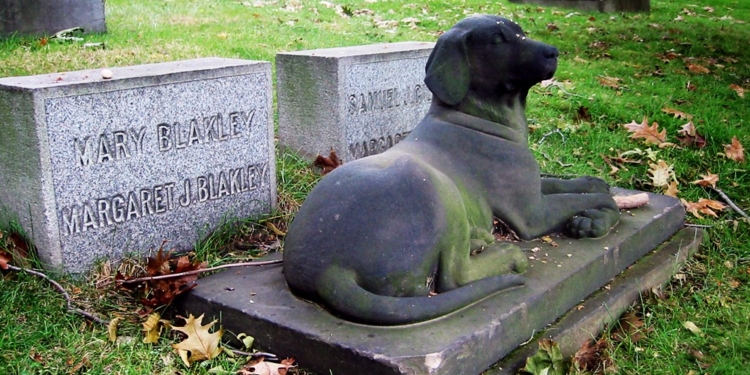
x,y
357,100
95,168
46,17
607,6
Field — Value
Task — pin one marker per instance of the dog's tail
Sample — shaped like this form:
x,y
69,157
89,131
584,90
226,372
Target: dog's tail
x,y
340,291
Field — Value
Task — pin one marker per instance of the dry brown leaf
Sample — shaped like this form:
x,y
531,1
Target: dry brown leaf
x,y
612,82
690,326
671,190
261,367
593,358
5,258
735,151
661,174
689,136
738,89
709,179
580,60
152,328
200,343
703,206
329,163
630,326
650,134
697,69
677,113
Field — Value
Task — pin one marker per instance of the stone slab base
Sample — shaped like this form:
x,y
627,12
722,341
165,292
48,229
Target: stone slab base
x,y
606,6
256,301
604,307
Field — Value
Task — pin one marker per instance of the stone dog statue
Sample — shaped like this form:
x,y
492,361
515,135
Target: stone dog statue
x,y
378,237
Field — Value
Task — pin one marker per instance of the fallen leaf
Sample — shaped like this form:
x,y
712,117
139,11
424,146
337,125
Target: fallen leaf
x,y
548,360
735,151
690,326
261,367
672,189
200,343
5,258
329,163
580,60
703,206
593,358
677,113
630,325
582,114
738,89
152,328
661,174
709,179
689,136
112,329
697,69
650,134
612,82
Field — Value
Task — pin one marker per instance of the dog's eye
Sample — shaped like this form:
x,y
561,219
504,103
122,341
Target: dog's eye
x,y
498,39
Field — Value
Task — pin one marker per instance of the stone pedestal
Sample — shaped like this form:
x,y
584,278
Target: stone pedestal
x,y
46,17
257,301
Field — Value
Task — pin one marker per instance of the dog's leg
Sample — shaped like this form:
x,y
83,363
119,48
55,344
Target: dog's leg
x,y
493,259
578,185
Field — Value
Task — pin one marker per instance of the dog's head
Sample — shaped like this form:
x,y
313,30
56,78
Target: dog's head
x,y
490,55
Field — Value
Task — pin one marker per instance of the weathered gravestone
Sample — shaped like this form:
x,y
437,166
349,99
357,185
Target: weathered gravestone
x,y
39,17
605,6
358,100
94,168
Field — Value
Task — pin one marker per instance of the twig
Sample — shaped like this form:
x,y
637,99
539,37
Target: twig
x,y
254,355
161,277
550,133
557,160
65,294
698,226
729,201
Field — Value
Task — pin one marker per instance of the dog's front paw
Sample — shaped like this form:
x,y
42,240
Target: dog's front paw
x,y
592,223
595,185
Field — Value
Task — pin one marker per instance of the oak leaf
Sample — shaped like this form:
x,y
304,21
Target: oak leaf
x,y
709,179
671,190
153,327
5,258
650,134
200,344
261,367
112,329
661,174
689,136
612,82
677,113
703,206
738,89
735,151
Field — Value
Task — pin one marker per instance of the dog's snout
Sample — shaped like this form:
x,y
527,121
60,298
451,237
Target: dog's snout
x,y
551,52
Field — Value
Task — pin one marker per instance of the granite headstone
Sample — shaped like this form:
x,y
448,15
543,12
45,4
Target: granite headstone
x,y
95,167
605,6
47,17
358,101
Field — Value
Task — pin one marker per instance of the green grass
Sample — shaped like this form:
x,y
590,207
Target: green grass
x,y
38,336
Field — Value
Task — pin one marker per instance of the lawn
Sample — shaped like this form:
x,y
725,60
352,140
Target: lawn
x,y
685,62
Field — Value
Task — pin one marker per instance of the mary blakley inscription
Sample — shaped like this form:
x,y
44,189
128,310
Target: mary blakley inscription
x,y
158,199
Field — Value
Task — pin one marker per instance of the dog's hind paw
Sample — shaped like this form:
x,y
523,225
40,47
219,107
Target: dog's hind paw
x,y
592,223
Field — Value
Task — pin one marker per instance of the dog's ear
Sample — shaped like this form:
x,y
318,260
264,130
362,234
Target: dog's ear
x,y
447,67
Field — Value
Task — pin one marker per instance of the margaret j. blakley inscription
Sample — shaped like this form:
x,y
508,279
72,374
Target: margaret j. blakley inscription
x,y
94,168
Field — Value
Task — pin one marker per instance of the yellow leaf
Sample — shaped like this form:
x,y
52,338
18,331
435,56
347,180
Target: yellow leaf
x,y
152,328
200,343
650,134
677,113
690,326
112,329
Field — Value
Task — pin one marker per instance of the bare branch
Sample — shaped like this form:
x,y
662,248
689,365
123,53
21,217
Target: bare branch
x,y
61,290
161,277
